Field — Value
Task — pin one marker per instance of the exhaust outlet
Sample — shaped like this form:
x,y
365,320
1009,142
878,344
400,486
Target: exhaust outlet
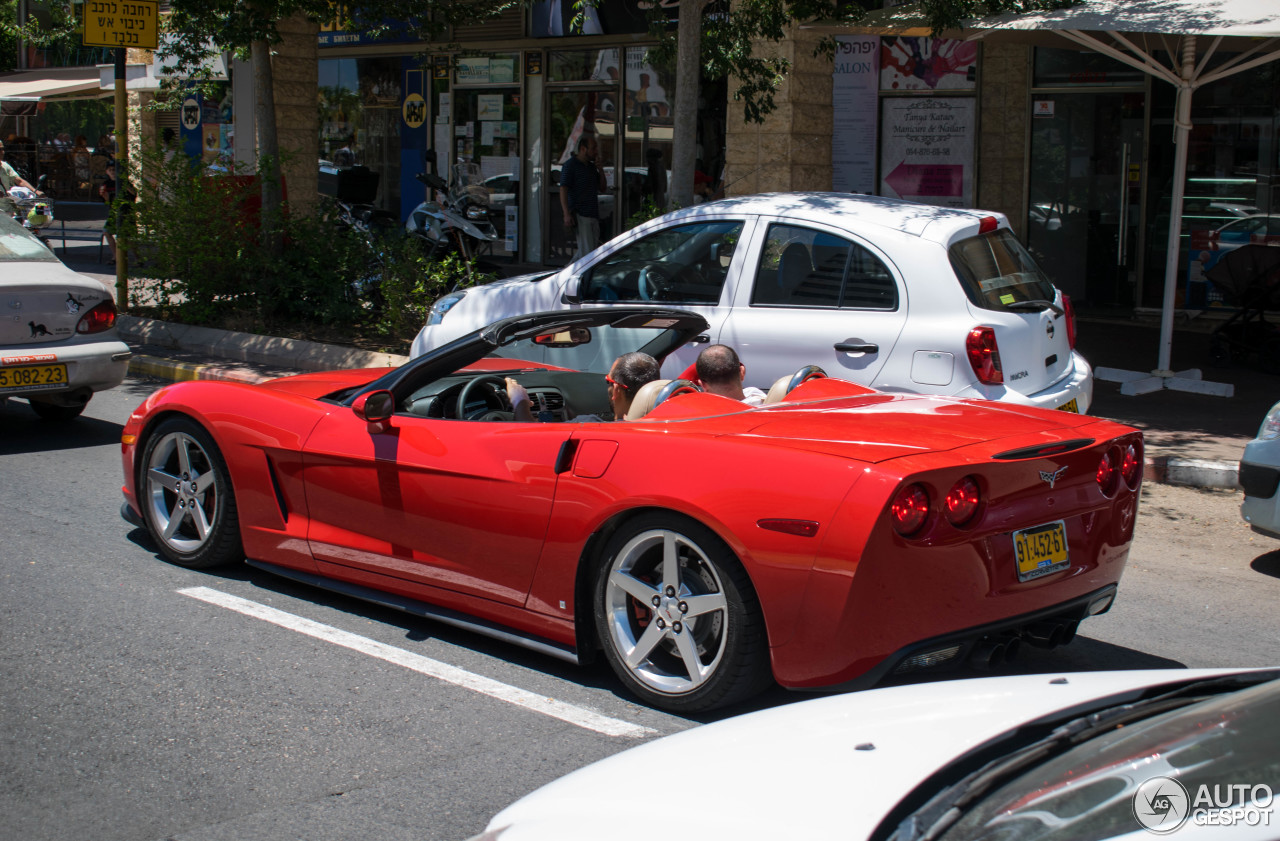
x,y
1045,634
1011,649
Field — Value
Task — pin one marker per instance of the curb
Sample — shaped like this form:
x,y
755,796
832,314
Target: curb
x,y
142,365
1192,472
250,347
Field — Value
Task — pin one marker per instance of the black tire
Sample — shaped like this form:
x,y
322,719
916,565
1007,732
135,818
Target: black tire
x,y
185,494
56,413
639,607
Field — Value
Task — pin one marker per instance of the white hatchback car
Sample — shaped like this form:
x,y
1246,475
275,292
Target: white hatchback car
x,y
1260,477
58,342
891,294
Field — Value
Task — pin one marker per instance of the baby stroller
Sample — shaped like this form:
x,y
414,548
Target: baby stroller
x,y
1249,278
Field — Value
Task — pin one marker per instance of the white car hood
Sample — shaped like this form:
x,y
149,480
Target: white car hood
x,y
827,768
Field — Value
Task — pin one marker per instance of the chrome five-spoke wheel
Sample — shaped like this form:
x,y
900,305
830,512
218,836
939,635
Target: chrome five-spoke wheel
x,y
185,496
672,615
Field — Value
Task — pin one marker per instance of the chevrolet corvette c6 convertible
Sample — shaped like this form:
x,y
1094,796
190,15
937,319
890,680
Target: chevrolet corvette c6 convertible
x,y
836,536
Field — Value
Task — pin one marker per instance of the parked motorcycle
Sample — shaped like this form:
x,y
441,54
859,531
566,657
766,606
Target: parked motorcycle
x,y
460,223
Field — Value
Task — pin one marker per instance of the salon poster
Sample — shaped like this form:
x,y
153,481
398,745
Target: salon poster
x,y
854,108
926,149
928,64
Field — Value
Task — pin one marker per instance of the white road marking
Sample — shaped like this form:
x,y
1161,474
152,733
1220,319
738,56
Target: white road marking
x,y
425,665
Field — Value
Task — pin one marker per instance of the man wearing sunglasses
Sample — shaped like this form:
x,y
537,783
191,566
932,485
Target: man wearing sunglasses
x,y
629,372
10,178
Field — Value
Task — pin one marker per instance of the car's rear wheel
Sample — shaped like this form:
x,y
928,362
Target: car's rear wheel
x,y
678,617
54,412
186,497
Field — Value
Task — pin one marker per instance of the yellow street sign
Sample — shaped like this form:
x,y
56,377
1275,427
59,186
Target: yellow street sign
x,y
122,23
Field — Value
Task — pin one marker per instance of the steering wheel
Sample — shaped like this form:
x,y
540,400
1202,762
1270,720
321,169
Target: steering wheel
x,y
497,385
657,282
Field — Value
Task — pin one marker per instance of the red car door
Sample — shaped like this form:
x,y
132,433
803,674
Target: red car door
x,y
461,505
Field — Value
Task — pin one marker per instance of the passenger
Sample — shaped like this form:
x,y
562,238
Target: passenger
x,y
721,372
629,372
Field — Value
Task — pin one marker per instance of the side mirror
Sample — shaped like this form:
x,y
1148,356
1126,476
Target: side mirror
x,y
571,291
375,407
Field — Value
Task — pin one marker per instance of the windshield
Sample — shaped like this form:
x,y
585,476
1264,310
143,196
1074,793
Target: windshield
x,y
1225,743
596,355
16,245
997,272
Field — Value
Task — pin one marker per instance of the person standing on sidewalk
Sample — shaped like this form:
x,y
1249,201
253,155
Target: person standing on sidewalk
x,y
581,183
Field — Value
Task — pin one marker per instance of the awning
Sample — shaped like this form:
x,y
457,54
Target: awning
x,y
51,83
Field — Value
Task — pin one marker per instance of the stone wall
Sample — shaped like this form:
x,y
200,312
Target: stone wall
x,y
791,150
1002,139
295,69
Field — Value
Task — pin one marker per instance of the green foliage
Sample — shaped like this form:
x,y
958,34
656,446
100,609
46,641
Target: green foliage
x,y
196,242
648,210
197,239
411,283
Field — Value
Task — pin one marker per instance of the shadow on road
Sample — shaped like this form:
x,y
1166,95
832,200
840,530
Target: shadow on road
x,y
1268,564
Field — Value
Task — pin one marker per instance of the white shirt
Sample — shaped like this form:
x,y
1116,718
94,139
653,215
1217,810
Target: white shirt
x,y
753,396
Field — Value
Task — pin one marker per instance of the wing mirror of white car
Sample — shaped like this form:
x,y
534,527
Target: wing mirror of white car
x,y
571,290
375,408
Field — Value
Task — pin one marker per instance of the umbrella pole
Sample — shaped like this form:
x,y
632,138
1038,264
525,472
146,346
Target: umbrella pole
x,y
1163,377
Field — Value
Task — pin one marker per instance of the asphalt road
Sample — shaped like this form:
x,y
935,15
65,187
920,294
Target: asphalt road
x,y
142,701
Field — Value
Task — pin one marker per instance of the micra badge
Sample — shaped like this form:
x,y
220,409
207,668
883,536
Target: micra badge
x,y
1052,477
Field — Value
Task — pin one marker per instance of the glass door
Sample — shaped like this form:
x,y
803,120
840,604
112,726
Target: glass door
x,y
572,114
1085,191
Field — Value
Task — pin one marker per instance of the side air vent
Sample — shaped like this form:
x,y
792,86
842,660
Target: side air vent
x,y
1043,450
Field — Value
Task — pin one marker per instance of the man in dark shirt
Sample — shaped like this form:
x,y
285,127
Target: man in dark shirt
x,y
581,182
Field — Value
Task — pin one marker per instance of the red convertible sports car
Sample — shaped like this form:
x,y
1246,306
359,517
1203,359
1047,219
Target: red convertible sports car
x,y
836,536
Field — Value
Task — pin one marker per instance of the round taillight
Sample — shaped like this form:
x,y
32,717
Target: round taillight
x,y
1131,465
102,317
1109,471
910,509
961,502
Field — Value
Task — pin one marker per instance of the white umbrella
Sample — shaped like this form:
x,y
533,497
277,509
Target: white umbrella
x,y
1134,32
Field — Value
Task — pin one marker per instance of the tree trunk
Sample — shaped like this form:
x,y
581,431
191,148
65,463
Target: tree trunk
x,y
685,130
268,143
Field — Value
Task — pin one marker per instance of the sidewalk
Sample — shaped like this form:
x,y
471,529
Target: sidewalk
x,y
1191,439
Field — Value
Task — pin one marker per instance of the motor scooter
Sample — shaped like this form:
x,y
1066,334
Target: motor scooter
x,y
458,223
35,212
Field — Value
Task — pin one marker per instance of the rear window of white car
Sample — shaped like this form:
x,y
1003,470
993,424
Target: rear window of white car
x,y
803,267
997,272
16,245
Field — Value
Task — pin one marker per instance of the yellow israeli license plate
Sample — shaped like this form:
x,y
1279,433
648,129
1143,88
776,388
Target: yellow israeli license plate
x,y
1041,550
33,377
1070,406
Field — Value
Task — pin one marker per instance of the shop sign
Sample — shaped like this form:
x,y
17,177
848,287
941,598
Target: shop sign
x,y
111,23
928,64
533,64
414,110
473,71
854,81
1042,108
926,150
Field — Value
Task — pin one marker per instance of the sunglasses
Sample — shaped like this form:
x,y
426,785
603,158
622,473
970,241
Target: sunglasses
x,y
611,381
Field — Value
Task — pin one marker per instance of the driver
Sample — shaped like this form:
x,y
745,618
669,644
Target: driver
x,y
629,372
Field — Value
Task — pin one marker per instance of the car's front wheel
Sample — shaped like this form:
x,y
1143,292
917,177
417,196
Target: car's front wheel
x,y
678,617
186,497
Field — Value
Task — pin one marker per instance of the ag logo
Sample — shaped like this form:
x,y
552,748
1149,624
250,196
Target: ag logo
x,y
1161,805
191,113
414,110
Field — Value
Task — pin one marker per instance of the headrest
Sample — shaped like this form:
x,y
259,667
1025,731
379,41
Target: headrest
x,y
651,395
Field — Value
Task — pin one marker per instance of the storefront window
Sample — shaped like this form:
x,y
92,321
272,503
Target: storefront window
x,y
1074,68
486,136
1233,171
360,120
